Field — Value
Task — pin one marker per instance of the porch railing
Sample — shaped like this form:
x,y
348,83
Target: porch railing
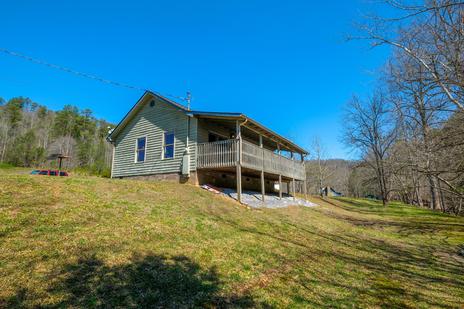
x,y
217,154
225,154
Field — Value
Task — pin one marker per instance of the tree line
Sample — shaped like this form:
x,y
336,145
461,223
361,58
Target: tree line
x,y
409,132
31,135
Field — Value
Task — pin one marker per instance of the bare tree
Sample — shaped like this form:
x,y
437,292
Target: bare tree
x,y
322,169
421,108
370,129
431,34
32,135
421,112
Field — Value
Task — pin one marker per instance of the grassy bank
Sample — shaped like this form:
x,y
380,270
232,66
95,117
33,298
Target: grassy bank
x,y
88,242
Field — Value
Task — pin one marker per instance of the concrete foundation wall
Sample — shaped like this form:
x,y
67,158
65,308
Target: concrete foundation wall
x,y
176,177
215,178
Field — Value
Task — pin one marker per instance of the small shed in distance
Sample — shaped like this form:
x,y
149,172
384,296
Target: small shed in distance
x,y
330,192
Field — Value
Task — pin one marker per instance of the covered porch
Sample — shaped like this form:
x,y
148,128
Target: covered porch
x,y
238,145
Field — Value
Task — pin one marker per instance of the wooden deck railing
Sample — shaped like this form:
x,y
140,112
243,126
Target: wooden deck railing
x,y
225,154
217,154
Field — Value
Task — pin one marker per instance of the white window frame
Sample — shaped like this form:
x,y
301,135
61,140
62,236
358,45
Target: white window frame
x,y
136,152
164,145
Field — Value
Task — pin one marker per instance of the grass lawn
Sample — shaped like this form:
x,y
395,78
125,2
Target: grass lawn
x,y
92,242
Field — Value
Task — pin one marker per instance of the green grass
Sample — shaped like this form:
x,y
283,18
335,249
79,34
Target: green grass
x,y
6,166
95,242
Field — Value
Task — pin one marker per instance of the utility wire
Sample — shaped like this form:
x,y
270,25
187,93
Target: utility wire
x,y
68,70
81,74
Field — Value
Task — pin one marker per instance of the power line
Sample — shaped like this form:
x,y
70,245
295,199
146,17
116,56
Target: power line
x,y
81,74
68,70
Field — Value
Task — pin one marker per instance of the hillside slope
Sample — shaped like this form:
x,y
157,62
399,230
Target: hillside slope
x,y
89,242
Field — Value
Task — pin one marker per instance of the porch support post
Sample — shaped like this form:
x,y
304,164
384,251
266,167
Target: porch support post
x,y
293,176
239,162
263,191
280,168
304,181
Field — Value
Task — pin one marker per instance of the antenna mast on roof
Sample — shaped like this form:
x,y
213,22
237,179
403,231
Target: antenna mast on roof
x,y
188,99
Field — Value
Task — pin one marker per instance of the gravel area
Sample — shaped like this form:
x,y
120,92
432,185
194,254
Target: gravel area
x,y
254,199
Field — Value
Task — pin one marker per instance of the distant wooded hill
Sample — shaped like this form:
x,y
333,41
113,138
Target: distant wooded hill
x,y
31,135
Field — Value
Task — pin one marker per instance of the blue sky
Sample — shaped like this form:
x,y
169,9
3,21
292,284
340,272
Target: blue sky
x,y
284,63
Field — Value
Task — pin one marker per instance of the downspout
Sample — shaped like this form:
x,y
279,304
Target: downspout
x,y
244,122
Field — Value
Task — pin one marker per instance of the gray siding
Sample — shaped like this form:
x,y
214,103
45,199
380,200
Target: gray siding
x,y
152,122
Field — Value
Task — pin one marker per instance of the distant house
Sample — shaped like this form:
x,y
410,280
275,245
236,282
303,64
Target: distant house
x,y
329,191
161,139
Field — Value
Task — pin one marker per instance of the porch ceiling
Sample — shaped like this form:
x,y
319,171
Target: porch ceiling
x,y
271,139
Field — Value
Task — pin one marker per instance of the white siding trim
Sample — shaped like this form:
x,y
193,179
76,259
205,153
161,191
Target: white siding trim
x,y
112,160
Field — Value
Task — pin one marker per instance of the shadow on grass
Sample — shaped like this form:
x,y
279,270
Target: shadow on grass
x,y
394,275
145,282
407,220
393,209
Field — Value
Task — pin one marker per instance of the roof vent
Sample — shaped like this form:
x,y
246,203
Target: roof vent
x,y
152,103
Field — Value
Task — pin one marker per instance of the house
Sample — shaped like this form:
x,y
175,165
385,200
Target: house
x,y
329,191
161,139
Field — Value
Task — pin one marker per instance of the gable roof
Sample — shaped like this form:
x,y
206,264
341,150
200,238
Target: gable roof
x,y
136,107
250,123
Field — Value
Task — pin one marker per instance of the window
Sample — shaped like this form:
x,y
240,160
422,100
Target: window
x,y
168,145
140,149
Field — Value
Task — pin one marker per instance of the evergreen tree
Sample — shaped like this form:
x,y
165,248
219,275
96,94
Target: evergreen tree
x,y
33,135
